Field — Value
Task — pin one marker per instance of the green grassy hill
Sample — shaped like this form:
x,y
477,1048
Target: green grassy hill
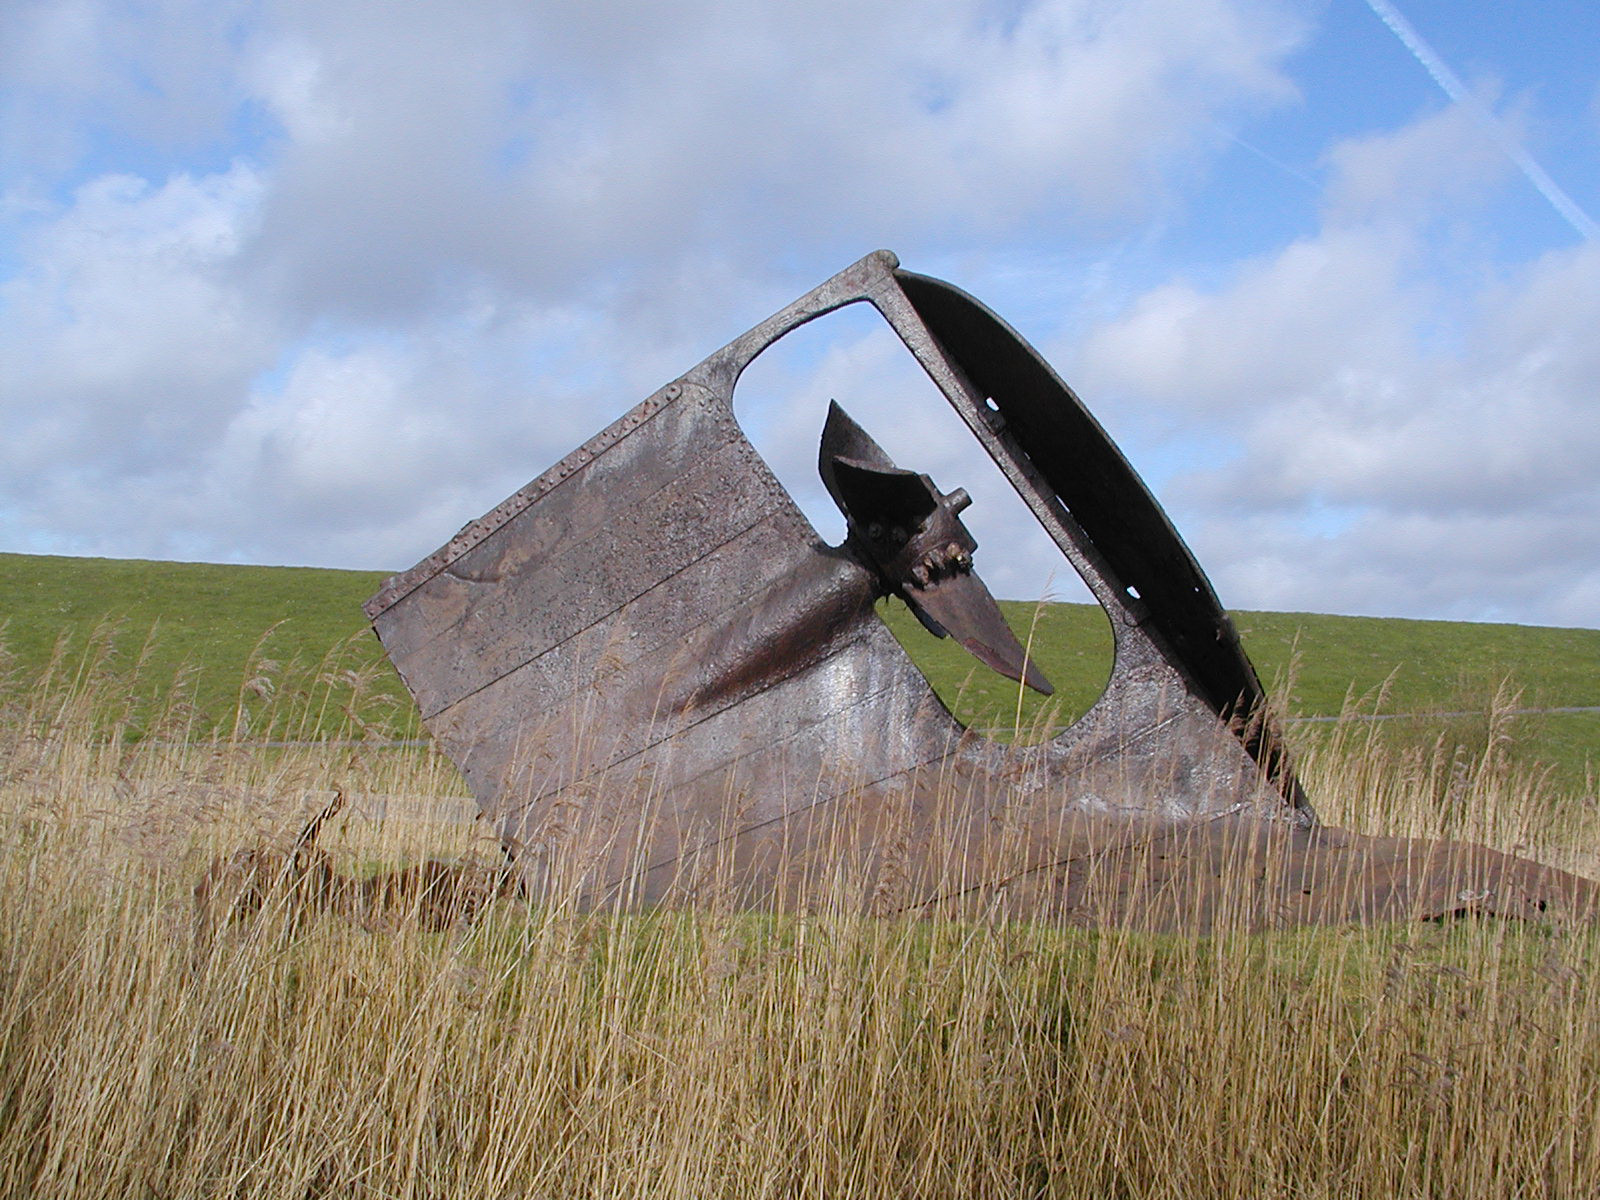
x,y
233,636
237,634
1430,679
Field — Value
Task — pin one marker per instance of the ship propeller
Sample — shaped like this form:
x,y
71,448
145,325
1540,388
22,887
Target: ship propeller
x,y
908,533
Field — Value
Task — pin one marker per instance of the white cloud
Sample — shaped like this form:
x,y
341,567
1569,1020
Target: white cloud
x,y
1503,423
1406,176
455,240
1394,447
1320,309
587,140
123,342
74,73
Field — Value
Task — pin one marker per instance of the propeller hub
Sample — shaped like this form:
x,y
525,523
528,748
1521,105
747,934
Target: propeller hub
x,y
904,530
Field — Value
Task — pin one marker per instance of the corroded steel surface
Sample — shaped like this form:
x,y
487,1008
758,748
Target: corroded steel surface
x,y
908,534
657,678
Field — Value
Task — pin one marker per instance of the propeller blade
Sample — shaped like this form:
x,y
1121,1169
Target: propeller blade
x,y
964,608
844,440
908,533
885,496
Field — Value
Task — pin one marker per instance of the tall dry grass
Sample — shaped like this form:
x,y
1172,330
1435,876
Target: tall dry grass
x,y
1450,779
545,1052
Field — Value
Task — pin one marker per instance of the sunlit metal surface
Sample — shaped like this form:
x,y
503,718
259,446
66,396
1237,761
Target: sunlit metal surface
x,y
656,678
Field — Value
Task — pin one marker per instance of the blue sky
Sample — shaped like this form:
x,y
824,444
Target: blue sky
x,y
316,283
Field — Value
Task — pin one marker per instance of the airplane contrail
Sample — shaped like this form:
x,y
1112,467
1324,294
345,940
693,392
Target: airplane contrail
x,y
1458,93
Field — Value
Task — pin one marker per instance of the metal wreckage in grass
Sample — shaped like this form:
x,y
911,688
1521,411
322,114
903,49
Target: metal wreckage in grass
x,y
659,681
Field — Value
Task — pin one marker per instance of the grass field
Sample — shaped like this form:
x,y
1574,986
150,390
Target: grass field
x,y
707,1052
236,632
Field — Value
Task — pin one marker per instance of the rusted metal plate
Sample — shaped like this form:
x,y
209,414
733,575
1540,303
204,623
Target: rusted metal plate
x,y
1256,875
656,678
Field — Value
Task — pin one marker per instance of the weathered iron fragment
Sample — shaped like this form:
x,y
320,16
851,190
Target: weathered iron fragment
x,y
657,678
903,530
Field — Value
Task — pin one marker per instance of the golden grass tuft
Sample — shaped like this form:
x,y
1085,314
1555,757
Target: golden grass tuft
x,y
546,1053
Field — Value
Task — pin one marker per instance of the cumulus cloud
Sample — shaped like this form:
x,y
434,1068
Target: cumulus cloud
x,y
124,344
78,74
1392,447
1321,308
541,147
315,282
1436,163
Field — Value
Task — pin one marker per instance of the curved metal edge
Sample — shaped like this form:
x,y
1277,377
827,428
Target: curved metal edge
x,y
1061,461
861,280
1069,471
1149,573
717,374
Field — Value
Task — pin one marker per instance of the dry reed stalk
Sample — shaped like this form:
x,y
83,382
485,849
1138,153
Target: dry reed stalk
x,y
710,1051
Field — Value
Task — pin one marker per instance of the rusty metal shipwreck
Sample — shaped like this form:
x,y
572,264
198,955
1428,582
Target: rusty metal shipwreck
x,y
657,679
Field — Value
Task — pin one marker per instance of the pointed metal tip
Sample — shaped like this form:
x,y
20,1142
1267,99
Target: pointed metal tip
x,y
1035,679
1005,656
